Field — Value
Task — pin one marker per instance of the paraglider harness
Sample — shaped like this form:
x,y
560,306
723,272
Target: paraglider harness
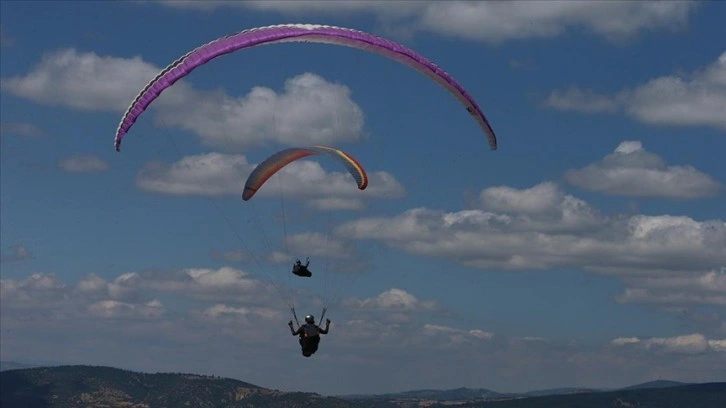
x,y
322,316
302,270
308,343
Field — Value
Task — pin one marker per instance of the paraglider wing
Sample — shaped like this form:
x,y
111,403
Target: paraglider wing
x,y
297,33
277,161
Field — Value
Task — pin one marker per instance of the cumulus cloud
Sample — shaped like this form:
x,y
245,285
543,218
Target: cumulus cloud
x,y
545,206
16,253
123,287
456,337
22,129
329,190
224,296
206,284
84,81
133,293
241,315
320,245
632,171
110,309
86,320
492,22
42,291
392,300
411,335
314,111
580,100
691,289
687,344
696,99
216,174
211,174
236,255
543,228
89,163
310,110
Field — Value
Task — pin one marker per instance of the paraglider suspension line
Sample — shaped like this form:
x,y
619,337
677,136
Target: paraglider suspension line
x,y
322,315
292,309
231,227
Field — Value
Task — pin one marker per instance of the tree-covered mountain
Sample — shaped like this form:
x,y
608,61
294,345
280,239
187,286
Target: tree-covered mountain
x,y
12,365
433,395
708,395
105,387
653,394
89,386
655,384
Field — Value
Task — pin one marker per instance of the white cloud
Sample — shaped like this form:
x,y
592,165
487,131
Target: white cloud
x,y
540,199
543,206
91,284
687,344
718,345
84,81
22,129
514,231
132,294
222,278
308,179
38,290
675,100
391,300
110,309
210,174
279,257
83,164
620,341
690,289
580,100
492,22
403,7
221,310
450,337
697,99
86,323
310,110
408,335
206,284
232,297
221,174
124,288
499,21
16,253
316,244
633,171
236,255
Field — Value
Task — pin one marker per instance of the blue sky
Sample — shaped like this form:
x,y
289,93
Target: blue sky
x,y
588,250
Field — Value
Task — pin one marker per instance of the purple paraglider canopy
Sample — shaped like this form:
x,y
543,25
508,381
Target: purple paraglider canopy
x,y
297,33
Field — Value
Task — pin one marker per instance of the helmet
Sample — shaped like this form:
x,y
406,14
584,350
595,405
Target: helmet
x,y
309,319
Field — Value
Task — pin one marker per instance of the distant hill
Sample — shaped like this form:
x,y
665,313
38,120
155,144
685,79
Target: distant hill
x,y
655,384
558,391
89,386
709,395
654,394
12,365
433,395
